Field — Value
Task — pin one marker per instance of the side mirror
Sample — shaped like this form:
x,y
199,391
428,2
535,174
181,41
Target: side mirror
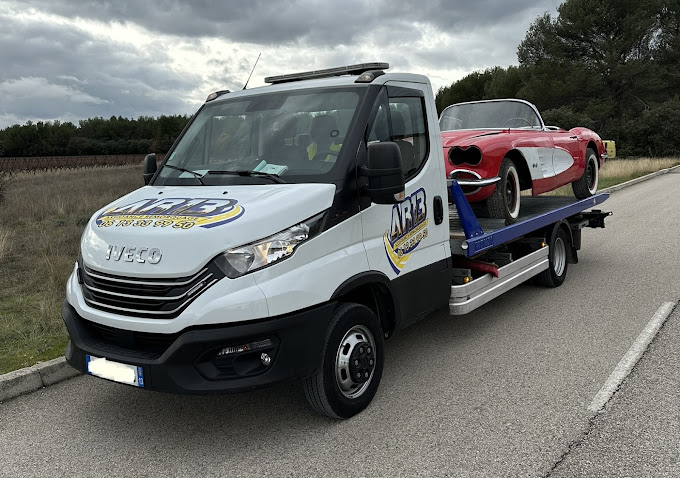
x,y
385,173
149,167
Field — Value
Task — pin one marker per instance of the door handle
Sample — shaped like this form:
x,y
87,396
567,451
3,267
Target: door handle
x,y
438,208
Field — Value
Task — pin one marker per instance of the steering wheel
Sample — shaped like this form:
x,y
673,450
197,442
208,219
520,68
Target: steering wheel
x,y
323,154
521,119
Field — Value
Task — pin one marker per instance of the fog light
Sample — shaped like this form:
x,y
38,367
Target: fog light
x,y
260,344
265,359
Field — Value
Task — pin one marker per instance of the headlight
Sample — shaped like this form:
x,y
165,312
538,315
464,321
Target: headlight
x,y
242,260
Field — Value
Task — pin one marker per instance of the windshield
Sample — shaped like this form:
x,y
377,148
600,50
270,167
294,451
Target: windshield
x,y
280,137
489,114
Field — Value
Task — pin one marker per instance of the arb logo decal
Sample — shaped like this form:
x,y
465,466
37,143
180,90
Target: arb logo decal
x,y
408,228
178,213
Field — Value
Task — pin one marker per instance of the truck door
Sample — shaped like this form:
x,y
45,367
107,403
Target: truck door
x,y
408,241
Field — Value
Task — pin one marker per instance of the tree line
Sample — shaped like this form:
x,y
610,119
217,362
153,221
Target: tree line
x,y
94,136
609,65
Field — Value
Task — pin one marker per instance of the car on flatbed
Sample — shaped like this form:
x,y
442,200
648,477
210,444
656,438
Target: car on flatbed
x,y
287,234
497,148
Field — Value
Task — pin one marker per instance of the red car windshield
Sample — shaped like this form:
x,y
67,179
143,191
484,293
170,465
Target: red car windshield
x,y
489,115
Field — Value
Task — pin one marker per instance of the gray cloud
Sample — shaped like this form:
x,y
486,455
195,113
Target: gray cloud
x,y
316,21
54,71
51,68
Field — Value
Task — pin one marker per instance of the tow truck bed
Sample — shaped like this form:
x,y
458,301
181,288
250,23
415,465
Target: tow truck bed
x,y
471,238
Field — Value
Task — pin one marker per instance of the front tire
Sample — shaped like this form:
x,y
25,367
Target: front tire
x,y
586,185
504,202
351,365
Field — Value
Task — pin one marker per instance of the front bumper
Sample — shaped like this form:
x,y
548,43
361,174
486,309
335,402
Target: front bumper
x,y
188,362
476,181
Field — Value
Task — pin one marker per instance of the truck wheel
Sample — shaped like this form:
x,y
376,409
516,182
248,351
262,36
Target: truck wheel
x,y
558,256
351,366
504,202
586,185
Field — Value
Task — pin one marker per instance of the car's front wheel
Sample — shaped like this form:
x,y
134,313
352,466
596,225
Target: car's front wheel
x,y
586,185
351,366
504,202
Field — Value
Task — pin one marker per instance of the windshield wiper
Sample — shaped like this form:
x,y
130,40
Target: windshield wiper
x,y
243,172
195,174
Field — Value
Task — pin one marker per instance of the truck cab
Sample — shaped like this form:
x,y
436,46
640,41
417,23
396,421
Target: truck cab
x,y
290,225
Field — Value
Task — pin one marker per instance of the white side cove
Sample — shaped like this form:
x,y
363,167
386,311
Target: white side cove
x,y
539,161
562,160
546,162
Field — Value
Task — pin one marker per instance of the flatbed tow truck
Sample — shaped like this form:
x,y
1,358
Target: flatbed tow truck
x,y
289,232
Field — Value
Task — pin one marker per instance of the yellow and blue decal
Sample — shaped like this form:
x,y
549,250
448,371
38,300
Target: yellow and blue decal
x,y
177,213
407,229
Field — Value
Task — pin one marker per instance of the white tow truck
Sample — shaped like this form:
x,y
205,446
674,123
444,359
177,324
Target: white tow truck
x,y
291,229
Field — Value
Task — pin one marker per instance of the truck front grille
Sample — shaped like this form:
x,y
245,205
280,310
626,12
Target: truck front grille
x,y
141,297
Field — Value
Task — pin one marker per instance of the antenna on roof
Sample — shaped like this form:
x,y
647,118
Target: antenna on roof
x,y
251,71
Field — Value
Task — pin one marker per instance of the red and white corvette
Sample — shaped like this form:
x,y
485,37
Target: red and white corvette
x,y
497,148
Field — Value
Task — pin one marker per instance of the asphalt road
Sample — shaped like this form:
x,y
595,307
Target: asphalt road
x,y
500,392
639,433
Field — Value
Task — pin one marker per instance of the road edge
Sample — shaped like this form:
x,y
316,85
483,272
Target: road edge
x,y
30,379
632,182
44,374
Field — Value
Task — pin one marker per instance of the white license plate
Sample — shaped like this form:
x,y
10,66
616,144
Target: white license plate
x,y
116,371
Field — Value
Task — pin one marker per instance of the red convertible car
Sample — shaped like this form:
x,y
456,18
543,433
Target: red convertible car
x,y
497,148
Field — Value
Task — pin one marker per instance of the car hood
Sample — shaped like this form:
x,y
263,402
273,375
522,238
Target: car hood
x,y
174,231
468,137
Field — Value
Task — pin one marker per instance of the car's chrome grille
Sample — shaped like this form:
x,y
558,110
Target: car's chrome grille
x,y
141,297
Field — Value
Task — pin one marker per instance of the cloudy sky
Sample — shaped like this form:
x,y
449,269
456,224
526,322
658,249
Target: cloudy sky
x,y
76,59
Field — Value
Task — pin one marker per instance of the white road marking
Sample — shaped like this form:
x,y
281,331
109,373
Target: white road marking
x,y
631,357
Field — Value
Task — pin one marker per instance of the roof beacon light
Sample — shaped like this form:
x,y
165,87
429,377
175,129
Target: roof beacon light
x,y
214,95
342,70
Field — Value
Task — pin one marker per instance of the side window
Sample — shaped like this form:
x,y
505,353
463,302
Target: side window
x,y
380,131
407,116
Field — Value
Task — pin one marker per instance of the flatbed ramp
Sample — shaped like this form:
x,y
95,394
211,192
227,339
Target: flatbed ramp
x,y
535,213
471,237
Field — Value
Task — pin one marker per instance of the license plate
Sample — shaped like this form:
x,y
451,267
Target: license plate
x,y
116,371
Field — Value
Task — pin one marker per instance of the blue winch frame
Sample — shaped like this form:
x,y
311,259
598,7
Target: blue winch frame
x,y
479,241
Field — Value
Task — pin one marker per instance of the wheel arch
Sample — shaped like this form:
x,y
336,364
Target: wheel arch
x,y
374,290
522,168
591,144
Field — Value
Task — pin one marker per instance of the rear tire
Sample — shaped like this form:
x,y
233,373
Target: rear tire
x,y
558,256
586,185
504,202
351,365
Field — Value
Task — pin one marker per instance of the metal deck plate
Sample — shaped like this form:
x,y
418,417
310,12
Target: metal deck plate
x,y
535,213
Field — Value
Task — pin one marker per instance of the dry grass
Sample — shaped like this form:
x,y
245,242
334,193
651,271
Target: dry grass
x,y
41,219
5,181
635,167
5,243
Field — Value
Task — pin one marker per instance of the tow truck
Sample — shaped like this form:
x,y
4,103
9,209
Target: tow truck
x,y
289,232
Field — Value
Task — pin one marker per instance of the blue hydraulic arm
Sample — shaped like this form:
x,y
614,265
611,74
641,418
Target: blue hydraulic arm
x,y
468,220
